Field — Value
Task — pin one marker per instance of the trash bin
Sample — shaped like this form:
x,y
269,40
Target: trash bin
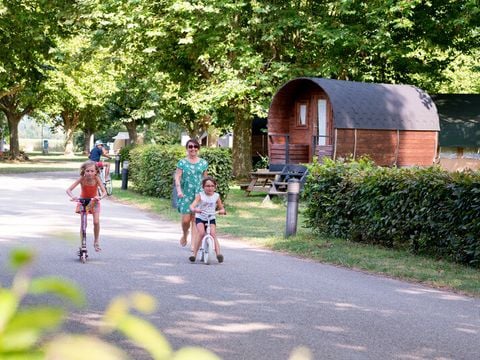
x,y
45,146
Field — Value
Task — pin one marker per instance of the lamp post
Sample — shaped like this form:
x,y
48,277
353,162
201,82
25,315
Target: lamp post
x,y
117,164
125,175
293,191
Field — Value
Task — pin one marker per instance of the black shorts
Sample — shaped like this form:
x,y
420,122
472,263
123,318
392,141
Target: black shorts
x,y
204,222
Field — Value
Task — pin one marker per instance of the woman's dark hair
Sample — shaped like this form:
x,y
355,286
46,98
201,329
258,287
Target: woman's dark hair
x,y
208,178
192,141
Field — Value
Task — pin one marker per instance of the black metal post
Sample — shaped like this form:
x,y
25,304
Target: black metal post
x,y
117,165
293,191
125,175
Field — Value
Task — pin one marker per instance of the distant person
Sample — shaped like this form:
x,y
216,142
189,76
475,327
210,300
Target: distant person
x,y
95,155
188,182
89,182
204,207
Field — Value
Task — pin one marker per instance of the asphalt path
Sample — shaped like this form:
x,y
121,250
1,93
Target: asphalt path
x,y
258,304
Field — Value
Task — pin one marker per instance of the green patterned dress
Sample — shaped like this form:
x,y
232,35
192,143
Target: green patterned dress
x,y
190,182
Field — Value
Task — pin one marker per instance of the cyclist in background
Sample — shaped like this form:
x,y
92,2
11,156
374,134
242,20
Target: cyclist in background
x,y
95,155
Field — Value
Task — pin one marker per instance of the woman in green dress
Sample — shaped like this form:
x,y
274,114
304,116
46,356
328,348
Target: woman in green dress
x,y
188,181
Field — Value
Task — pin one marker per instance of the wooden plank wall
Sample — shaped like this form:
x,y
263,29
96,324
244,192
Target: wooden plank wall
x,y
298,153
417,148
279,114
281,120
388,147
259,145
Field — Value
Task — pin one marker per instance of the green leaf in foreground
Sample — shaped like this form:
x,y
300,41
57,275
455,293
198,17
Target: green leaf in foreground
x,y
58,287
27,327
81,347
21,257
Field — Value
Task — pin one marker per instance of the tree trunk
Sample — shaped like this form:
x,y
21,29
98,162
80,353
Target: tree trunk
x,y
242,143
70,124
212,136
2,144
13,119
132,131
88,134
69,151
9,105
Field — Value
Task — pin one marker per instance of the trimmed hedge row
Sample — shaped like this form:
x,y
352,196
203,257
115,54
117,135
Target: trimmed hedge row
x,y
151,168
425,210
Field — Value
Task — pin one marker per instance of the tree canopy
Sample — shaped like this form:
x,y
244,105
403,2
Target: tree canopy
x,y
217,63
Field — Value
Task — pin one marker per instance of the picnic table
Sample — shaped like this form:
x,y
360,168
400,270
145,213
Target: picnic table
x,y
260,180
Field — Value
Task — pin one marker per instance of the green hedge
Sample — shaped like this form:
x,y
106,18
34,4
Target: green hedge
x,y
151,168
426,210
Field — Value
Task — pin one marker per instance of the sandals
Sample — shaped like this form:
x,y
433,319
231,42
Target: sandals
x,y
220,258
183,240
97,247
192,258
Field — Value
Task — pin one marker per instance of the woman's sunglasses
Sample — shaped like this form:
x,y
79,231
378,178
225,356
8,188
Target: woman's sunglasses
x,y
193,146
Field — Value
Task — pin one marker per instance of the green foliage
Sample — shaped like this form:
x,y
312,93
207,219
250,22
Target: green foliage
x,y
152,168
125,152
425,210
219,167
22,329
262,163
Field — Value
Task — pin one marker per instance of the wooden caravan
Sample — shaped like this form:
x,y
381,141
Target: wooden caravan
x,y
393,124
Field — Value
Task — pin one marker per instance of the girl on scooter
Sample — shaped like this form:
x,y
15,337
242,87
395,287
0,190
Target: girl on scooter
x,y
90,182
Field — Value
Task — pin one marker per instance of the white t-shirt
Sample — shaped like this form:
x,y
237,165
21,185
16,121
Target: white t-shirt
x,y
208,205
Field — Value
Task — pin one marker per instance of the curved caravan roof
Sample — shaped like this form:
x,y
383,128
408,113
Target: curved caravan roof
x,y
358,105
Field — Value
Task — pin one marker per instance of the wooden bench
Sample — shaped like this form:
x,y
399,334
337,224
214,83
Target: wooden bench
x,y
261,180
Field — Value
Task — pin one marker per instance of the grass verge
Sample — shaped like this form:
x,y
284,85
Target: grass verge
x,y
39,162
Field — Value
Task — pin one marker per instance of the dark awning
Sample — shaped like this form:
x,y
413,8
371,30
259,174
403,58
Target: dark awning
x,y
459,119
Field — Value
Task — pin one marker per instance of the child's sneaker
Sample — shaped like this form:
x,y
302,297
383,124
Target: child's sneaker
x,y
220,258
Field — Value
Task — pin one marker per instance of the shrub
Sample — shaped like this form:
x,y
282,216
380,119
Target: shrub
x,y
152,168
425,210
125,152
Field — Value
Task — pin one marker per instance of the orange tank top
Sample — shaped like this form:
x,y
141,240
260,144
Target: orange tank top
x,y
88,191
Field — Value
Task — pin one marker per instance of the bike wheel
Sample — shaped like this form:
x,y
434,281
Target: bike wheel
x,y
109,187
102,180
82,253
209,250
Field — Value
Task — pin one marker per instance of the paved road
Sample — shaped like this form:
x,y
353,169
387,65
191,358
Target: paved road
x,y
256,305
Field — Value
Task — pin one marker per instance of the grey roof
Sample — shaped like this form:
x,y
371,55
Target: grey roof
x,y
379,106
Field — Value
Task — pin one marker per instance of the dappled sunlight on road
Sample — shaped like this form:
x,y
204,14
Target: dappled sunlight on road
x,y
173,279
333,329
469,329
209,325
339,306
223,303
90,319
432,292
351,347
424,353
239,327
